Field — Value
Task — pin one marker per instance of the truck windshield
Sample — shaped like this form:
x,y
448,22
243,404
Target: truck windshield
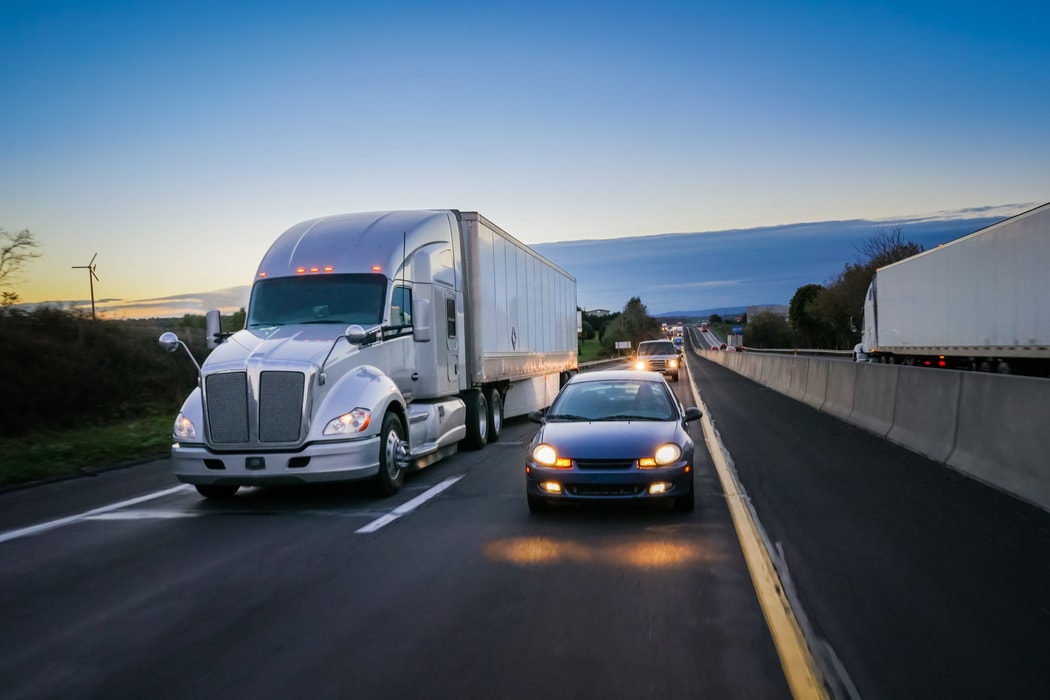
x,y
342,299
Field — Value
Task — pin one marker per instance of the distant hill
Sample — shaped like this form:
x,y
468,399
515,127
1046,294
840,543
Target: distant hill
x,y
729,269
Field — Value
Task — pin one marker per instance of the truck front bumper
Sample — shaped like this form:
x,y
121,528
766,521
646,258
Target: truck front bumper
x,y
194,463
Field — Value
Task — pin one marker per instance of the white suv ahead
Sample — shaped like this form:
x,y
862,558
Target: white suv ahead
x,y
658,356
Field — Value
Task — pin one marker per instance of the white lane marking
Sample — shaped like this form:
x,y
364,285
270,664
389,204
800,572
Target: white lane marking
x,y
409,506
145,515
62,522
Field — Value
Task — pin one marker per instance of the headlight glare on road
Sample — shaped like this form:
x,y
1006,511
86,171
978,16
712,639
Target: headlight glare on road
x,y
353,422
184,428
546,456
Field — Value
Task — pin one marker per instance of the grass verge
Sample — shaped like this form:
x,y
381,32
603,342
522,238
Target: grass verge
x,y
66,452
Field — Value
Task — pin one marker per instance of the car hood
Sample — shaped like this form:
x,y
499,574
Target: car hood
x,y
609,439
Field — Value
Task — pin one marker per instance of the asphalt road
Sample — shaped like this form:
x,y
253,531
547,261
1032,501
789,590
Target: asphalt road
x,y
287,593
917,581
913,581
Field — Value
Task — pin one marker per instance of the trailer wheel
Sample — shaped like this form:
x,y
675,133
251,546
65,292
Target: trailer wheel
x,y
495,414
217,492
477,419
392,458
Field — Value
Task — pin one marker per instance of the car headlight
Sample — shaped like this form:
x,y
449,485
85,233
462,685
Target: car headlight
x,y
665,454
640,364
672,363
546,456
353,422
184,428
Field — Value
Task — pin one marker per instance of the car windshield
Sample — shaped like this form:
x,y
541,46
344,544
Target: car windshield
x,y
660,348
613,400
342,299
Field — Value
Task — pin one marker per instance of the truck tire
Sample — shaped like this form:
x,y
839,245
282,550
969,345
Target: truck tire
x,y
391,468
495,414
217,492
477,419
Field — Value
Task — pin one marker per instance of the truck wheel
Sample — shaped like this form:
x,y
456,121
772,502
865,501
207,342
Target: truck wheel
x,y
217,492
391,457
495,414
477,419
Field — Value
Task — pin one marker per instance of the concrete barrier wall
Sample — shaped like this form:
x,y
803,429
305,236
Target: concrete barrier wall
x,y
816,383
875,397
1003,434
994,428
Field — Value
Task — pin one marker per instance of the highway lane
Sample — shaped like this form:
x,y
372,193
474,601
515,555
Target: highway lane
x,y
280,593
918,582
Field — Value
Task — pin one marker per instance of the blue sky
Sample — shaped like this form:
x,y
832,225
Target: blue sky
x,y
177,140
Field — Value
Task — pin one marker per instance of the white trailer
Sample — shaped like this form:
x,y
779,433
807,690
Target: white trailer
x,y
979,302
376,343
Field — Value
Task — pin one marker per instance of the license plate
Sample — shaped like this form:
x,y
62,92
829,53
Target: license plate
x,y
255,463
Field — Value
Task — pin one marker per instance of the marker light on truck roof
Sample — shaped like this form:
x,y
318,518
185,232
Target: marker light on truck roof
x,y
377,268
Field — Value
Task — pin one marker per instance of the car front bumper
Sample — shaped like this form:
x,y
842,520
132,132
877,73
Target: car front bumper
x,y
626,485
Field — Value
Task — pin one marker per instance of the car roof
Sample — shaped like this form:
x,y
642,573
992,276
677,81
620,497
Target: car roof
x,y
607,375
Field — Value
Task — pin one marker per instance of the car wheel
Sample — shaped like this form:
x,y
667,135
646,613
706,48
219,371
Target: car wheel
x,y
477,420
686,502
674,377
495,414
538,505
391,457
216,491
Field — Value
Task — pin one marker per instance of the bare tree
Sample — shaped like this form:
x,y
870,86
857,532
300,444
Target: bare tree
x,y
16,249
886,246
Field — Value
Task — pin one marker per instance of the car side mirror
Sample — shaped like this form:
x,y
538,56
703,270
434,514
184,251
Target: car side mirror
x,y
537,416
693,413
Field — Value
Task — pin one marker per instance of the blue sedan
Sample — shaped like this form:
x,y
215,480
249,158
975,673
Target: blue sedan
x,y
612,435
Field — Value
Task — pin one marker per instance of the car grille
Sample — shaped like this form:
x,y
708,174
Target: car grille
x,y
657,364
605,464
280,407
606,489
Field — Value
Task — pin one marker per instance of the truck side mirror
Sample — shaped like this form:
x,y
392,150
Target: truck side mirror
x,y
213,329
422,320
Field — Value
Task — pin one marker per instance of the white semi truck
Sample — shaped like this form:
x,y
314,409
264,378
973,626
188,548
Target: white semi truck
x,y
980,302
374,344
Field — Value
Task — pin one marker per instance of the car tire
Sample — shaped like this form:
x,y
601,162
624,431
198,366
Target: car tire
x,y
391,474
495,414
477,419
217,492
674,377
538,505
686,503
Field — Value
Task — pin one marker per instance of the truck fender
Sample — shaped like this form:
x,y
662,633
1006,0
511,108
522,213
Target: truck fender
x,y
193,409
366,387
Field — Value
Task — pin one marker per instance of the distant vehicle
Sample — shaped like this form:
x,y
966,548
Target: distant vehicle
x,y
977,303
703,326
658,356
612,435
376,343
679,344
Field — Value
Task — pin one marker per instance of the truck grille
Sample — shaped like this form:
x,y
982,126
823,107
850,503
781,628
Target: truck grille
x,y
227,396
280,407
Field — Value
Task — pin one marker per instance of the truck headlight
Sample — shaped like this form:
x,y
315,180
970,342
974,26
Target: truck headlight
x,y
640,364
353,422
673,364
184,428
